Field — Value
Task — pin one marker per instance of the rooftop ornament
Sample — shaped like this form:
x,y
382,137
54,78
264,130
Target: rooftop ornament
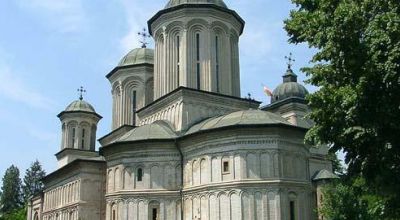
x,y
81,91
144,36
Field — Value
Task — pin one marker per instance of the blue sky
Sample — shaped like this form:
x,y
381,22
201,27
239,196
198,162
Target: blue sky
x,y
48,48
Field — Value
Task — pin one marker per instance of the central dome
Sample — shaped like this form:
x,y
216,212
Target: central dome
x,y
173,3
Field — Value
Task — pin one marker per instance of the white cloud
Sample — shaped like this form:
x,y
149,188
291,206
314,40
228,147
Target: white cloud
x,y
15,89
137,14
64,15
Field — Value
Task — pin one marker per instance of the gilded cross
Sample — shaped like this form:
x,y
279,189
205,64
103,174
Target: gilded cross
x,y
290,60
144,36
81,91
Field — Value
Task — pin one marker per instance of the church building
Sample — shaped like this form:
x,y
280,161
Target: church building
x,y
183,143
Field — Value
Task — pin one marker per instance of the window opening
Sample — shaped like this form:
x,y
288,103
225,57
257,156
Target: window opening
x,y
292,210
134,107
155,217
177,59
217,62
226,166
73,137
83,139
139,175
198,60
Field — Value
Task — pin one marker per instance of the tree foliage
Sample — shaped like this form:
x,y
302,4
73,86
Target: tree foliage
x,y
357,70
32,180
11,198
352,199
18,214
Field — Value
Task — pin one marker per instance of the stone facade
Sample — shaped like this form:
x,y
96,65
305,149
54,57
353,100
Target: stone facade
x,y
184,145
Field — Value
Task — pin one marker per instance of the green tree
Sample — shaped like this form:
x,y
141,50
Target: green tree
x,y
32,180
18,214
357,70
11,199
351,199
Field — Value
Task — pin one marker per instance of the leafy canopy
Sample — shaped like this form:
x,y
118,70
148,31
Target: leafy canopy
x,y
357,70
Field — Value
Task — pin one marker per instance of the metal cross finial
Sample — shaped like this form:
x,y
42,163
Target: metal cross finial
x,y
290,60
81,91
144,36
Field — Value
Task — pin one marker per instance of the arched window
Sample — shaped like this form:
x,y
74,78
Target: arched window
x,y
134,106
292,210
177,60
36,216
73,137
139,174
83,139
198,60
292,206
217,62
154,210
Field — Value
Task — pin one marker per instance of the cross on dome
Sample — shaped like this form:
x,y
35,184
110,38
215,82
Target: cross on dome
x,y
144,36
81,90
290,60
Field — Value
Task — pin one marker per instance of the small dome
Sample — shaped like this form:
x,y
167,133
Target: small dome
x,y
173,3
247,117
289,88
154,131
80,106
138,56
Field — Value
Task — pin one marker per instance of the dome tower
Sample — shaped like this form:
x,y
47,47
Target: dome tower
x,y
79,125
132,85
289,99
196,46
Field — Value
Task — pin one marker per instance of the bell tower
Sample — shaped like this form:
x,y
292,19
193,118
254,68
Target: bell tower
x,y
79,125
196,46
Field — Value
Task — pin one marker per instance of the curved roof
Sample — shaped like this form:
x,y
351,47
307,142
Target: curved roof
x,y
155,131
80,106
138,56
289,88
173,3
324,175
246,117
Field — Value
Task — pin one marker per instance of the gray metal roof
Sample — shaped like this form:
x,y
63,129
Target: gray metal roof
x,y
80,106
138,56
158,130
324,175
246,117
173,3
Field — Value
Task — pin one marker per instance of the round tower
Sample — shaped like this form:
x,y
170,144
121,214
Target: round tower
x,y
196,46
132,85
79,125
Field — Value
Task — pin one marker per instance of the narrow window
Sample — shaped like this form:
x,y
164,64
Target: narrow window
x,y
155,214
73,137
198,60
217,62
292,210
83,139
139,175
177,60
134,107
113,215
226,167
